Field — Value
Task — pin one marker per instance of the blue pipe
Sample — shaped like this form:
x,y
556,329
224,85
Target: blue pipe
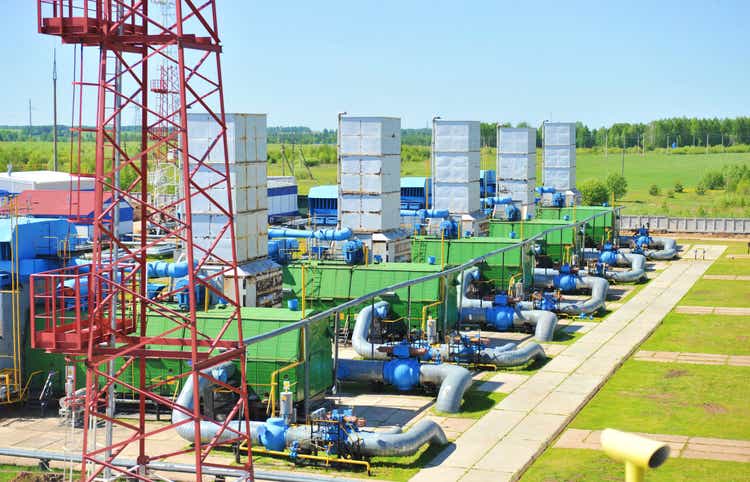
x,y
320,234
497,201
545,190
426,213
163,269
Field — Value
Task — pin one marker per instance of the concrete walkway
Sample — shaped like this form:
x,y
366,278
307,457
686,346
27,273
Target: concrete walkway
x,y
727,277
694,358
712,310
680,446
518,429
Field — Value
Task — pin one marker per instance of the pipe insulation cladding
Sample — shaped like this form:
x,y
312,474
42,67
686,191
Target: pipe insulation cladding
x,y
407,373
544,322
274,434
319,234
549,278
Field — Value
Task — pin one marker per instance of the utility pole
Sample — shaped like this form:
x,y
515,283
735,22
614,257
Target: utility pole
x,y
54,109
29,119
606,139
706,143
622,173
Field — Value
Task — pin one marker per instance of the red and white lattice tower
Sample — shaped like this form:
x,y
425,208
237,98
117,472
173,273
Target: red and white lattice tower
x,y
101,314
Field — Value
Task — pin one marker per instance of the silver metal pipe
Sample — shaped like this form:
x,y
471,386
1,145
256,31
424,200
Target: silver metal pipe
x,y
544,278
637,271
426,431
520,355
545,322
453,381
668,249
361,331
388,289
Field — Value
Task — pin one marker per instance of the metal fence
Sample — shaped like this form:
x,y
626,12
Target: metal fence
x,y
688,225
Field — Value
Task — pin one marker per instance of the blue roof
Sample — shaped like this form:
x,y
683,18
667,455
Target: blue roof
x,y
328,191
414,181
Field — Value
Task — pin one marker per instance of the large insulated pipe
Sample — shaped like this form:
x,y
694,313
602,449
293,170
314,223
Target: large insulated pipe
x,y
370,443
545,278
544,322
163,269
504,357
361,332
497,201
637,271
319,234
668,249
453,380
426,213
400,444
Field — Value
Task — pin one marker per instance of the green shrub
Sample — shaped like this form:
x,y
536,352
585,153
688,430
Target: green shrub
x,y
713,180
678,187
617,185
700,189
654,190
593,192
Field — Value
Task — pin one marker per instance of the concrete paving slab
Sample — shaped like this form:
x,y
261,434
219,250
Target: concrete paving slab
x,y
510,456
438,474
502,382
562,403
475,475
563,363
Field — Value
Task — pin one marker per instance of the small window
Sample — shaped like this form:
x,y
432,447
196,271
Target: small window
x,y
5,252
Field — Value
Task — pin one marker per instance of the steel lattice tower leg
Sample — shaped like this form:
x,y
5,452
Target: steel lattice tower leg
x,y
115,305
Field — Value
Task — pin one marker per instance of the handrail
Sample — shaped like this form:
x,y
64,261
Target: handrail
x,y
404,284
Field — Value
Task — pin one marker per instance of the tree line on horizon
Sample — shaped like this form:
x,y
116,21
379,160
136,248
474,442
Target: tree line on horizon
x,y
662,133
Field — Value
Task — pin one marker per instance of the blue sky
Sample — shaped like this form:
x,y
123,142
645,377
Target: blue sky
x,y
303,62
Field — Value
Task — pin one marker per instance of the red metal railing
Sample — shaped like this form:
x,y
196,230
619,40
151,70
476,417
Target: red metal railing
x,y
64,310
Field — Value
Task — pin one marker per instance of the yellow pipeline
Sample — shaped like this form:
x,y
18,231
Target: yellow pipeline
x,y
272,398
424,313
320,458
274,375
638,453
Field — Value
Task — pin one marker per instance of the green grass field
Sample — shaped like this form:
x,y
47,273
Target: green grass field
x,y
658,168
558,465
711,292
673,398
690,333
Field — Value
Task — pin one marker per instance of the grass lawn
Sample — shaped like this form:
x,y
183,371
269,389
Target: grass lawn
x,y
701,334
710,292
672,398
728,264
557,465
476,403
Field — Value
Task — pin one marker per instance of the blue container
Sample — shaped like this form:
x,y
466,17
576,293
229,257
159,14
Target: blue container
x,y
431,260
293,304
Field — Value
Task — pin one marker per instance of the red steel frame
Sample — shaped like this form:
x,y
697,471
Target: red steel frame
x,y
125,30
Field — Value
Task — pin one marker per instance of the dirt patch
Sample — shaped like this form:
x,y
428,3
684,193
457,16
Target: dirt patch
x,y
30,477
675,373
743,338
714,408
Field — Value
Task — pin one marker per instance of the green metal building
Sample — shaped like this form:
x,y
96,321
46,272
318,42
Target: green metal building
x,y
558,244
516,263
603,227
330,283
263,359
